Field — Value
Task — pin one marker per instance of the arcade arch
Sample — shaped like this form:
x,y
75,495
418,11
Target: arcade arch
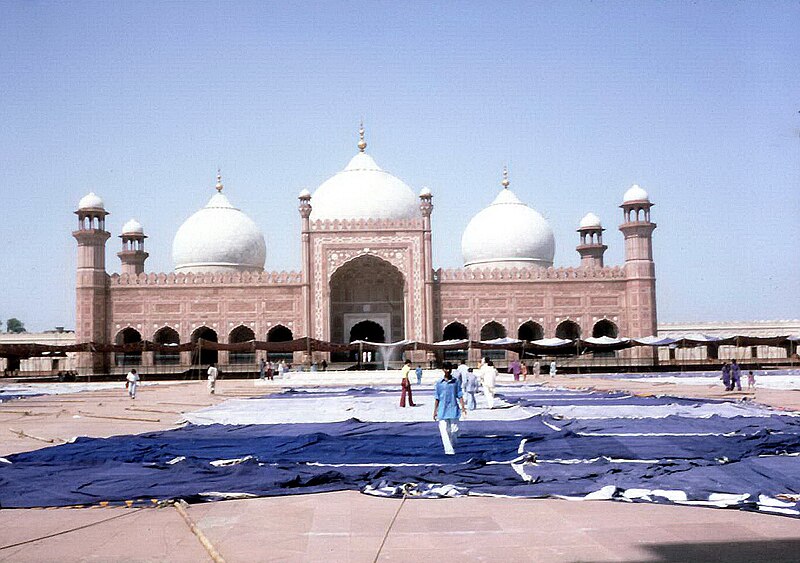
x,y
455,331
128,336
279,333
204,356
530,331
238,335
568,330
167,336
492,330
605,327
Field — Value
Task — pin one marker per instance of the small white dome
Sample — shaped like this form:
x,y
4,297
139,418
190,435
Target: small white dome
x,y
304,193
508,234
364,191
635,193
425,192
132,227
590,221
91,201
218,238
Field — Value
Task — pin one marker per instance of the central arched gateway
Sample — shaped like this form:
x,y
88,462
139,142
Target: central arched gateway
x,y
367,288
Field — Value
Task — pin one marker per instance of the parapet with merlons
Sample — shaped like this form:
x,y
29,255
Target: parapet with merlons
x,y
206,278
366,224
527,274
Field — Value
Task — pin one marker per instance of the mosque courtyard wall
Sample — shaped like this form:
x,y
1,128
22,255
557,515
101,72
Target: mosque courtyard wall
x,y
550,298
222,302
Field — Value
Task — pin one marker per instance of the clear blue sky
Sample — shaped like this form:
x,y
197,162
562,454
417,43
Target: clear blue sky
x,y
141,102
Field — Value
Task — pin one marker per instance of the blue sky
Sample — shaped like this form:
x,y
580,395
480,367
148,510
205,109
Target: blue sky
x,y
141,102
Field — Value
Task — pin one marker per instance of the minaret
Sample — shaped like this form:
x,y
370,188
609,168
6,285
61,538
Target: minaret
x,y
91,283
640,270
591,247
426,206
305,235
132,255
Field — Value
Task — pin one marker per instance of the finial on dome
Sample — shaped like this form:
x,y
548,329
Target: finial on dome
x,y
219,181
505,183
362,144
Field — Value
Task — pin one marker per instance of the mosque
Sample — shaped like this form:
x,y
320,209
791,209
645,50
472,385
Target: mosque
x,y
366,274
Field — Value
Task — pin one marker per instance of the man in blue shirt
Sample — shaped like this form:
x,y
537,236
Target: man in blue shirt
x,y
446,410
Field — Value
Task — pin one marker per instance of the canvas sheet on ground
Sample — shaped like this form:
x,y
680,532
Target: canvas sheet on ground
x,y
540,443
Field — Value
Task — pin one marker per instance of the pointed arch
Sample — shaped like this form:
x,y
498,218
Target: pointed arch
x,y
279,333
604,327
492,330
455,331
128,335
530,330
204,356
167,336
568,330
238,335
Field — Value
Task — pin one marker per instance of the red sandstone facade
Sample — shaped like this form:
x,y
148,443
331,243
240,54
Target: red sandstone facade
x,y
373,274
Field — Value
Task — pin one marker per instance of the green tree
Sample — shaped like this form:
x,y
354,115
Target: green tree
x,y
15,325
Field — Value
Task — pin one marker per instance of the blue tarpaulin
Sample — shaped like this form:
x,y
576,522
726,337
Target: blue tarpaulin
x,y
697,459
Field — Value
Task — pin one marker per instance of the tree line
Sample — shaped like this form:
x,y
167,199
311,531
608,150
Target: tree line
x,y
13,325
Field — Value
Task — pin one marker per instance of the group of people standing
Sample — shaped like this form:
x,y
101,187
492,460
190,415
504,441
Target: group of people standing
x,y
450,393
732,377
267,370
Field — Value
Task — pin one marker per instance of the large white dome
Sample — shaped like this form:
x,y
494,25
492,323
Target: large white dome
x,y
508,234
218,238
364,191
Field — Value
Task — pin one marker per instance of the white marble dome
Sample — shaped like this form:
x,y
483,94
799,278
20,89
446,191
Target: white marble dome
x,y
590,221
508,234
132,227
91,201
635,193
218,238
364,191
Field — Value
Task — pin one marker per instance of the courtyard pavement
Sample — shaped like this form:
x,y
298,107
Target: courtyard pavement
x,y
349,526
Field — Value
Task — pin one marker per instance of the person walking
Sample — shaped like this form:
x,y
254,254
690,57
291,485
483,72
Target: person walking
x,y
446,410
736,376
523,371
751,380
262,369
418,371
515,369
131,382
213,373
726,376
461,372
489,379
405,385
471,386
537,369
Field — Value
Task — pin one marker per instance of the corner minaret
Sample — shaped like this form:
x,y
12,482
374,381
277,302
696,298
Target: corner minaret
x,y
91,303
640,270
591,247
426,207
305,237
132,255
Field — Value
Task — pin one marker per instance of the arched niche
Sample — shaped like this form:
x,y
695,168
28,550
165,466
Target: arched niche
x,y
530,330
204,356
568,330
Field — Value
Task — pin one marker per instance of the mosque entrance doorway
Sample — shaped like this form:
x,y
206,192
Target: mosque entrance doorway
x,y
367,299
369,331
